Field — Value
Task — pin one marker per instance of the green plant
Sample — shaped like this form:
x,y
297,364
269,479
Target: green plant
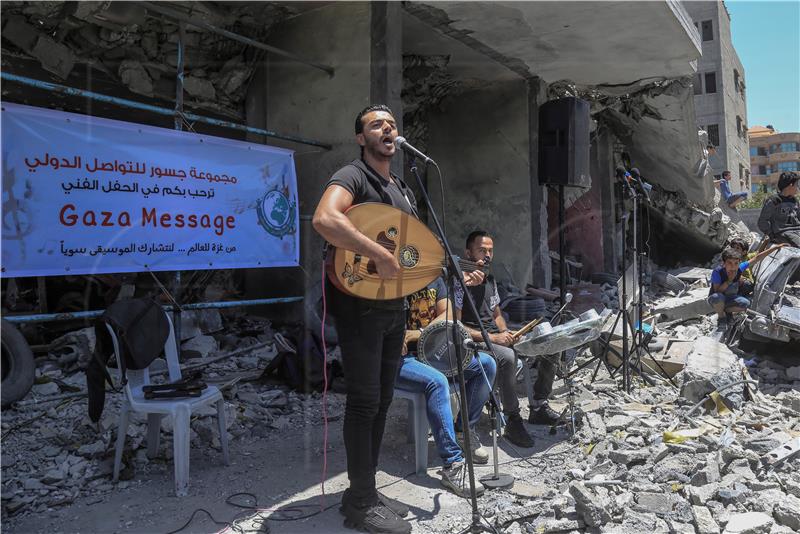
x,y
756,200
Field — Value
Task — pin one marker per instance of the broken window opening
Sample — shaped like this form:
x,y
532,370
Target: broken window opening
x,y
707,30
698,84
713,134
711,82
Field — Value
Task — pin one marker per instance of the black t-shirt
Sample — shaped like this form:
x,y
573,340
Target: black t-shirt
x,y
367,185
486,299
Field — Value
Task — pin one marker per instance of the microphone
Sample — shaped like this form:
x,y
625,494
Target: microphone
x,y
644,187
401,143
471,345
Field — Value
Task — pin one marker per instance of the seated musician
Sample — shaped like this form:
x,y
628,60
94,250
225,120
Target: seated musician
x,y
480,249
425,307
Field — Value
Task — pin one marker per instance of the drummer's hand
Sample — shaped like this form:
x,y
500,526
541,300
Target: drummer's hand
x,y
502,338
475,278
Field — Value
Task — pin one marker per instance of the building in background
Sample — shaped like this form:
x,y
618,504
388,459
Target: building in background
x,y
772,153
719,92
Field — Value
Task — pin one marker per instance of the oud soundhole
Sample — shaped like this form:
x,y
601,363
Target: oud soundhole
x,y
391,232
409,256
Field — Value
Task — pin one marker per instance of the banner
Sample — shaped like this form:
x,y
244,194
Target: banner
x,y
83,195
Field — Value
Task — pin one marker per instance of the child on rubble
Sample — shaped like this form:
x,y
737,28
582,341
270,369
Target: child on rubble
x,y
726,280
748,280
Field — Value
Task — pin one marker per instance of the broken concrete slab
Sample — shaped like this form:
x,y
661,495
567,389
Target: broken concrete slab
x,y
54,57
704,521
748,523
590,506
709,366
692,274
135,76
197,322
692,304
199,347
787,512
199,88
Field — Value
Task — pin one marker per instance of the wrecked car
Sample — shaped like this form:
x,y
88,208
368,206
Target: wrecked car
x,y
774,315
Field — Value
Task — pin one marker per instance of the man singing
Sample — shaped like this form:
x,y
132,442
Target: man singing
x,y
370,332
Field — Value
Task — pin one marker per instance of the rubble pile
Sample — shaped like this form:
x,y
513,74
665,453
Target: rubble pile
x,y
52,453
654,461
140,49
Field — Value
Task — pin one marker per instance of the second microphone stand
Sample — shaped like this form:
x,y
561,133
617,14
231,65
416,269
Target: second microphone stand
x,y
454,276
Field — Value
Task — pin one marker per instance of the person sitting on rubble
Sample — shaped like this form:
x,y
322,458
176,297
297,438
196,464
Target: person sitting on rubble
x,y
732,199
748,280
780,216
427,306
726,280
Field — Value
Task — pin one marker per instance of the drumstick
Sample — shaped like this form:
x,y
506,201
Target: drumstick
x,y
525,329
531,325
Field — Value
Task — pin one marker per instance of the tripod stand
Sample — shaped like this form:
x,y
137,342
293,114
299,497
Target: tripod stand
x,y
453,274
631,352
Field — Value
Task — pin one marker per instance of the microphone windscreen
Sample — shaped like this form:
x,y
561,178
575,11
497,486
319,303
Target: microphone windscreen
x,y
620,172
635,172
399,140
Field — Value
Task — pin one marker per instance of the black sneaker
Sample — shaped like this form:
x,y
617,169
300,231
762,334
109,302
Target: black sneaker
x,y
543,415
377,519
516,432
392,504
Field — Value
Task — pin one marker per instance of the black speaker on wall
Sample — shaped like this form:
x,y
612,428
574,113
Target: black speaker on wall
x,y
564,142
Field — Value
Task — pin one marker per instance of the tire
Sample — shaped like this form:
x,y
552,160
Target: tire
x,y
18,365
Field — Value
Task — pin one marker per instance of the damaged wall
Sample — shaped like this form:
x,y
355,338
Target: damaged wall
x,y
299,100
484,159
657,126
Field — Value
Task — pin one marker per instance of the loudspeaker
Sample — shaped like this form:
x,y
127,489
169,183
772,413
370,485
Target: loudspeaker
x,y
564,142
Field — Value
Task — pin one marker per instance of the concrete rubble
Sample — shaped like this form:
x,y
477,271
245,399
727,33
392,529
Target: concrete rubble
x,y
53,454
697,456
140,50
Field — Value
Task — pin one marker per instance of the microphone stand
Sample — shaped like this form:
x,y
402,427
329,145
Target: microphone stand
x,y
453,273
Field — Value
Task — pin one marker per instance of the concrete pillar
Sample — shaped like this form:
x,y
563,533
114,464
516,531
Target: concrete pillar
x,y
602,172
386,62
541,274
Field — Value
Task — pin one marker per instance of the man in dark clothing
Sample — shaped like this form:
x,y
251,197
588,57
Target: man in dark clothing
x,y
480,248
780,216
370,331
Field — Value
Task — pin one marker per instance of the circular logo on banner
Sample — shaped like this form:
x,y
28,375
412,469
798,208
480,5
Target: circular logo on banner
x,y
276,213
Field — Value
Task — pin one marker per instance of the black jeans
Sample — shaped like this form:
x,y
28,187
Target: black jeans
x,y
371,339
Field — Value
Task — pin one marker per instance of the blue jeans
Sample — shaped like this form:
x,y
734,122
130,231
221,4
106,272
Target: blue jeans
x,y
416,376
730,301
735,197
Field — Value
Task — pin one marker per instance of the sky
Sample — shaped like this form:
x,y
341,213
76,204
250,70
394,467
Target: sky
x,y
766,35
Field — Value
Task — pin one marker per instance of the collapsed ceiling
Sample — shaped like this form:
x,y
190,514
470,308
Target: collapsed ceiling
x,y
139,49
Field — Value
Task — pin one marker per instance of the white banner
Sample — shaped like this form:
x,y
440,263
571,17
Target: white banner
x,y
83,195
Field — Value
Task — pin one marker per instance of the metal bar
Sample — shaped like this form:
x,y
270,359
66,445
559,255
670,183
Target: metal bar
x,y
179,78
41,294
71,91
176,316
230,35
45,317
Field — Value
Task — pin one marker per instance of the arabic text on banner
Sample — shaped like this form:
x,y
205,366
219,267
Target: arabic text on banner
x,y
83,195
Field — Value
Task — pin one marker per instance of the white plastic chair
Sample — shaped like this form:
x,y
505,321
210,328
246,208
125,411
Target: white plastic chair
x,y
180,409
417,426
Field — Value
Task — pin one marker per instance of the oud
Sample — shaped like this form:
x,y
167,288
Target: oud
x,y
418,251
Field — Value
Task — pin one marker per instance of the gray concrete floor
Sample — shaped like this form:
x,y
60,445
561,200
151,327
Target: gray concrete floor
x,y
283,470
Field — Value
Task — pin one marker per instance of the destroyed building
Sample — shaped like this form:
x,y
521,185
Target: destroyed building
x,y
466,80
